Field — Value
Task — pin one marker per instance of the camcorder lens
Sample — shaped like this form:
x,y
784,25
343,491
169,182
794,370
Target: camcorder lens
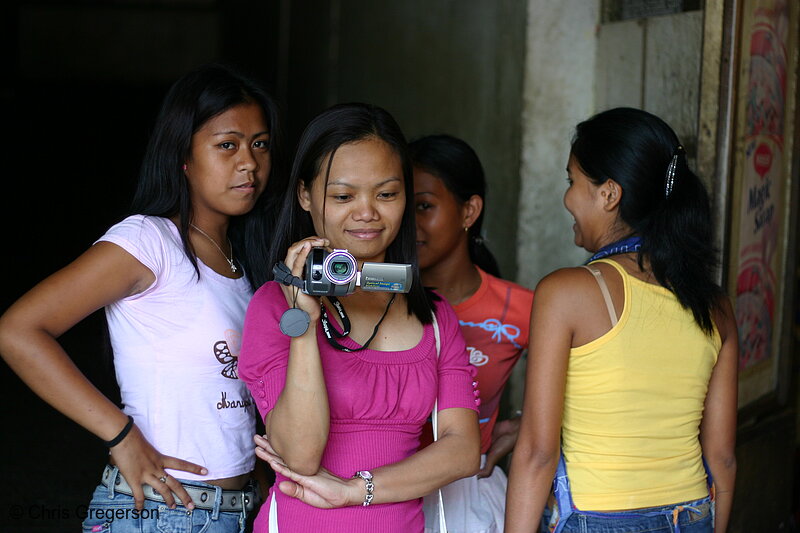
x,y
340,267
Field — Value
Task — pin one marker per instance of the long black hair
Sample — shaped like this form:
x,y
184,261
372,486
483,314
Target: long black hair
x,y
163,190
454,162
334,127
671,214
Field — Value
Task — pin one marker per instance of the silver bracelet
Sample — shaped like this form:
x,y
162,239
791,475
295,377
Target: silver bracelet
x,y
366,475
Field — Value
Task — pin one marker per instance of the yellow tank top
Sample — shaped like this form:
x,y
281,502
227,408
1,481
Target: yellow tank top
x,y
633,405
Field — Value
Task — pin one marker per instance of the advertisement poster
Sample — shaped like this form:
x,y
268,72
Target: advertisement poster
x,y
762,164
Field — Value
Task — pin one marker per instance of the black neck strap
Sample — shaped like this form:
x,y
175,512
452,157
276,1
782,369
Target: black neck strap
x,y
330,333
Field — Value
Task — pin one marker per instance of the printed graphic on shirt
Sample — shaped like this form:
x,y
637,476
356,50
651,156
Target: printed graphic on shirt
x,y
477,357
499,331
225,403
227,353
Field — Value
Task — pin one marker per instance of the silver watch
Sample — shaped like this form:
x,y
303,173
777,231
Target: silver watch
x,y
366,475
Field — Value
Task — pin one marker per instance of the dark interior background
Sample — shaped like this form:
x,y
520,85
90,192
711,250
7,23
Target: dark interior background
x,y
83,84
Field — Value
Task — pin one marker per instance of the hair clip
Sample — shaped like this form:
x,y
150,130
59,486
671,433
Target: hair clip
x,y
670,180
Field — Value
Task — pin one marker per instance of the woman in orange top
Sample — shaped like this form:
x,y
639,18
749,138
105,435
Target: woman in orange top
x,y
494,314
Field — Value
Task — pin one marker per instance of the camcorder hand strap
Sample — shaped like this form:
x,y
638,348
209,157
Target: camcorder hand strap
x,y
284,275
294,322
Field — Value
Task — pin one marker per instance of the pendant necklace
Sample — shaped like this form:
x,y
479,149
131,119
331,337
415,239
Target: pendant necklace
x,y
230,261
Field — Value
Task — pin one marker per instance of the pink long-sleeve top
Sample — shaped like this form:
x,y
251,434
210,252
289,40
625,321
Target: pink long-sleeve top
x,y
379,402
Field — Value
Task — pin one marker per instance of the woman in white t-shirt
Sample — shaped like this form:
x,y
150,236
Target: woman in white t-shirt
x,y
175,279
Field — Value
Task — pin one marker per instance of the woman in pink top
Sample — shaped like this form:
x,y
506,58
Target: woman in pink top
x,y
344,406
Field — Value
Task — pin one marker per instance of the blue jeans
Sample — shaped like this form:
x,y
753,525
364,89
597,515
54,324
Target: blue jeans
x,y
113,512
688,520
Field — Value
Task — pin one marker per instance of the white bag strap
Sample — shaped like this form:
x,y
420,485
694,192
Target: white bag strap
x,y
273,515
435,423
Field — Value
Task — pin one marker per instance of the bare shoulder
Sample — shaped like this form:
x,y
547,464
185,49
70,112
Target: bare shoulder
x,y
571,279
564,288
121,271
103,274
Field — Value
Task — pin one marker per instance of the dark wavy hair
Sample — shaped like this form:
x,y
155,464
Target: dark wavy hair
x,y
334,127
635,148
454,162
162,189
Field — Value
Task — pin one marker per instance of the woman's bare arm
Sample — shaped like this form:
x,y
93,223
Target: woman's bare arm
x,y
537,451
718,428
456,454
298,424
29,330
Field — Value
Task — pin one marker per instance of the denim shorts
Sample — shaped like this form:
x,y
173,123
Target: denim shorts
x,y
113,512
689,521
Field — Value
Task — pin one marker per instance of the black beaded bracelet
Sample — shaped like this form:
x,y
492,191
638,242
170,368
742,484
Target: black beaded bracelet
x,y
122,434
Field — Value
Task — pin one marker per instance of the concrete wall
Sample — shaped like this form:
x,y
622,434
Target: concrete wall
x,y
653,64
575,68
558,92
450,66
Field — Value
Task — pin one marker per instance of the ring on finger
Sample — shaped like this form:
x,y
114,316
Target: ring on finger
x,y
163,479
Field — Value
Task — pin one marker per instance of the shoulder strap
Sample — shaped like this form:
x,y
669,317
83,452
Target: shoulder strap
x,y
435,415
435,422
612,313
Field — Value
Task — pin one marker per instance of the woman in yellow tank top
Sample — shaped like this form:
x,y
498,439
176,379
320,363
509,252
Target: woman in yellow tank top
x,y
632,371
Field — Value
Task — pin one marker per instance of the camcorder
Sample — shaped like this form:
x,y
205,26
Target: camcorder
x,y
335,273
